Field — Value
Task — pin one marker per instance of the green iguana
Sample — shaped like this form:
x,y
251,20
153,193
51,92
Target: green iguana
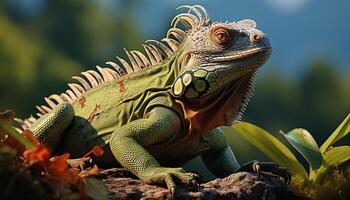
x,y
161,109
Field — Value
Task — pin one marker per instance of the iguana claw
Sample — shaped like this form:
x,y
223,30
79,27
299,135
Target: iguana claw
x,y
268,168
173,192
193,185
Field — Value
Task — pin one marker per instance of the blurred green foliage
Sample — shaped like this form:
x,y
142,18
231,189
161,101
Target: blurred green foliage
x,y
39,53
317,100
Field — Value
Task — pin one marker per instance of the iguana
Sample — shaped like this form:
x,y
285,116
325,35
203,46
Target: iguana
x,y
165,107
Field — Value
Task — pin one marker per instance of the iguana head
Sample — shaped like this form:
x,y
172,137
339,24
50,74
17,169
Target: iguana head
x,y
219,64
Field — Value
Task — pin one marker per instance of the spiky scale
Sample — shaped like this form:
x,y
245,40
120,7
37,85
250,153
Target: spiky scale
x,y
149,54
91,79
97,76
27,123
165,49
82,81
172,44
189,19
42,111
75,89
50,102
152,54
157,53
113,73
138,60
21,123
107,77
67,98
194,9
31,119
57,98
177,33
118,69
71,95
134,64
47,109
126,65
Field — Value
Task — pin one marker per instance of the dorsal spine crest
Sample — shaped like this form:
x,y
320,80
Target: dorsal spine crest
x,y
156,52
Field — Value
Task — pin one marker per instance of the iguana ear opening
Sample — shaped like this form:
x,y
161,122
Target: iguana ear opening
x,y
186,59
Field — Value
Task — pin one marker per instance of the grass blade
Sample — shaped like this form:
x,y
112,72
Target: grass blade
x,y
342,130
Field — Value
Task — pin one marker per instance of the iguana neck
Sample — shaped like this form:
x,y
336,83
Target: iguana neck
x,y
218,110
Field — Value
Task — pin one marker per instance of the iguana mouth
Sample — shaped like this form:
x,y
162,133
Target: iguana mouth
x,y
264,52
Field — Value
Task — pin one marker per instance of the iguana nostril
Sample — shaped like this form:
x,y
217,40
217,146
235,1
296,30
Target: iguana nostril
x,y
255,37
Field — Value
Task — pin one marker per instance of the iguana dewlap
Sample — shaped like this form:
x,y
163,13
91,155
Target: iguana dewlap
x,y
160,109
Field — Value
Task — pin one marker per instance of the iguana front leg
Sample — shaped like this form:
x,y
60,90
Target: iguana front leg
x,y
127,144
221,161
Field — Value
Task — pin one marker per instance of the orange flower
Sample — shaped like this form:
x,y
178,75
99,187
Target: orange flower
x,y
40,154
58,164
57,169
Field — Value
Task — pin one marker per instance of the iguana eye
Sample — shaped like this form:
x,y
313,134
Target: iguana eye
x,y
221,36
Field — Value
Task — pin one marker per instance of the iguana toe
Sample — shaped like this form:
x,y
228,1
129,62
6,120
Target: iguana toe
x,y
268,168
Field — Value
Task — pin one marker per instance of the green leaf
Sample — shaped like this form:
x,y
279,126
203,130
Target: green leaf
x,y
306,145
13,133
332,158
342,130
95,189
270,146
336,156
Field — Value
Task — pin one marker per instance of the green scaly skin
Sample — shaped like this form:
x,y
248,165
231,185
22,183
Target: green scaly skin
x,y
153,120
